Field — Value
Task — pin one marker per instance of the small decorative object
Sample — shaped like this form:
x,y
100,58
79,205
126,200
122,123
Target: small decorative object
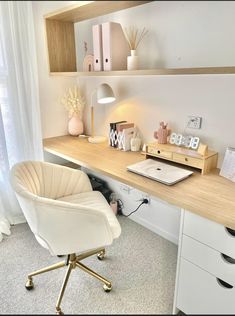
x,y
162,133
74,103
134,36
113,202
144,149
228,166
135,142
184,140
125,138
88,62
202,149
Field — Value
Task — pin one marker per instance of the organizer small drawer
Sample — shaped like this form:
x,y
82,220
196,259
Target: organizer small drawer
x,y
210,233
209,259
199,292
187,160
159,152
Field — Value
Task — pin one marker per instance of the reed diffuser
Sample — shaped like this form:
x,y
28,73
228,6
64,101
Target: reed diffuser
x,y
134,36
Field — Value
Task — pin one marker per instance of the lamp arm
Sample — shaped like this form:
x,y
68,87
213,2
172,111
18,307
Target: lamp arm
x,y
92,114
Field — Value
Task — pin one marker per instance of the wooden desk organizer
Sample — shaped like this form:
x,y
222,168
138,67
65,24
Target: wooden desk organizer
x,y
183,156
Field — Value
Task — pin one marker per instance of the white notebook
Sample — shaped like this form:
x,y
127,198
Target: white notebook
x,y
159,171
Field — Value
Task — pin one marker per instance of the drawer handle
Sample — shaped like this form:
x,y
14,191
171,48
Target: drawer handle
x,y
186,159
224,284
227,258
158,152
230,231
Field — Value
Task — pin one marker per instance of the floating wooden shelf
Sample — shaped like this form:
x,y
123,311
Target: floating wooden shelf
x,y
90,9
64,74
61,42
60,29
151,72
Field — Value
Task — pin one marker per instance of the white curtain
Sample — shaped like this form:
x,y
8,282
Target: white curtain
x,y
20,126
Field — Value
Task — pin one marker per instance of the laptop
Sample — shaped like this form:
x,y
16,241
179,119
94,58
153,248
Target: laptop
x,y
159,171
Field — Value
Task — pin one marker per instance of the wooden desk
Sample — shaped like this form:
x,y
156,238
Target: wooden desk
x,y
210,195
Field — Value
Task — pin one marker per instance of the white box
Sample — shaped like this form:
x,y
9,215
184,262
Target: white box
x,y
115,47
97,47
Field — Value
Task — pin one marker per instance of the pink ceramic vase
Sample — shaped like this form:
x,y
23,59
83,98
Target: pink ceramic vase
x,y
75,126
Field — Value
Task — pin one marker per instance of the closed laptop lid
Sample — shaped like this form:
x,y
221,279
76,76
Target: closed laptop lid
x,y
159,171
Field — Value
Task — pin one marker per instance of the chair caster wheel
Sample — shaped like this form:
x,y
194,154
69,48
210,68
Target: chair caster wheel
x,y
107,288
59,312
100,255
29,284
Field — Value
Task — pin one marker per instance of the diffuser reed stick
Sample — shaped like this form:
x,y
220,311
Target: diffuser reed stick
x,y
134,36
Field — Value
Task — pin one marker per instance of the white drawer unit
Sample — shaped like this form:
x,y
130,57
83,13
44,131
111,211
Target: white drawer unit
x,y
199,292
210,233
213,261
205,279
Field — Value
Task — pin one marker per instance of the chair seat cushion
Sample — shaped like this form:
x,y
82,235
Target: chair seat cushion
x,y
94,199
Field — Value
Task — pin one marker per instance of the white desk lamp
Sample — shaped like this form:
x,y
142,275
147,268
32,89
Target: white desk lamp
x,y
104,95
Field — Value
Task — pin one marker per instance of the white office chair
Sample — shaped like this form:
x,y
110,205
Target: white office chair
x,y
65,215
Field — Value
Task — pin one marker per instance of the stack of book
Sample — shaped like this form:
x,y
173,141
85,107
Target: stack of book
x,y
120,134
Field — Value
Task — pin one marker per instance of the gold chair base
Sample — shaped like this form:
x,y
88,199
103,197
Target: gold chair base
x,y
72,262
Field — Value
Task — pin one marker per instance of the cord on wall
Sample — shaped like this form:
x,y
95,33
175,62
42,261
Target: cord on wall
x,y
144,201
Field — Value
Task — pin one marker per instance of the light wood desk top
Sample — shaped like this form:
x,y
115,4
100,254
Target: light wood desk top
x,y
210,196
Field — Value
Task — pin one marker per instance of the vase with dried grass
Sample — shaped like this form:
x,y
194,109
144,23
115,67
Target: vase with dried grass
x,y
74,103
134,36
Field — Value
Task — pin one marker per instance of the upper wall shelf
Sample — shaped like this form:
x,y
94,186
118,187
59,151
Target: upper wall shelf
x,y
60,30
90,9
61,42
151,72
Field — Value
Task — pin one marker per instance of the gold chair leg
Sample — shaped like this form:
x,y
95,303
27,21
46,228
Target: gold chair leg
x,y
29,284
72,262
107,285
58,309
47,269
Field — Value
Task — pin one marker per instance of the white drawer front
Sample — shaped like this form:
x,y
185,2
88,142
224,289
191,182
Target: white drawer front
x,y
209,233
200,293
209,259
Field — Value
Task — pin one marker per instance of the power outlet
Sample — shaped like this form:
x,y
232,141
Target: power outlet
x,y
146,197
194,122
125,188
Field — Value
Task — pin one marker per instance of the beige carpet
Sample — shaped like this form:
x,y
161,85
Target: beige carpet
x,y
140,264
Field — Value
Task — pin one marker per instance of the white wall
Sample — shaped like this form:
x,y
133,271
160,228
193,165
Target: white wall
x,y
151,99
181,34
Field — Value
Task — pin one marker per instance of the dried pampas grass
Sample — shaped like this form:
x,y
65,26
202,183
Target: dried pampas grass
x,y
73,101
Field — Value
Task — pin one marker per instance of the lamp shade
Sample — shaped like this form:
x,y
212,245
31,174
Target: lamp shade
x,y
105,94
